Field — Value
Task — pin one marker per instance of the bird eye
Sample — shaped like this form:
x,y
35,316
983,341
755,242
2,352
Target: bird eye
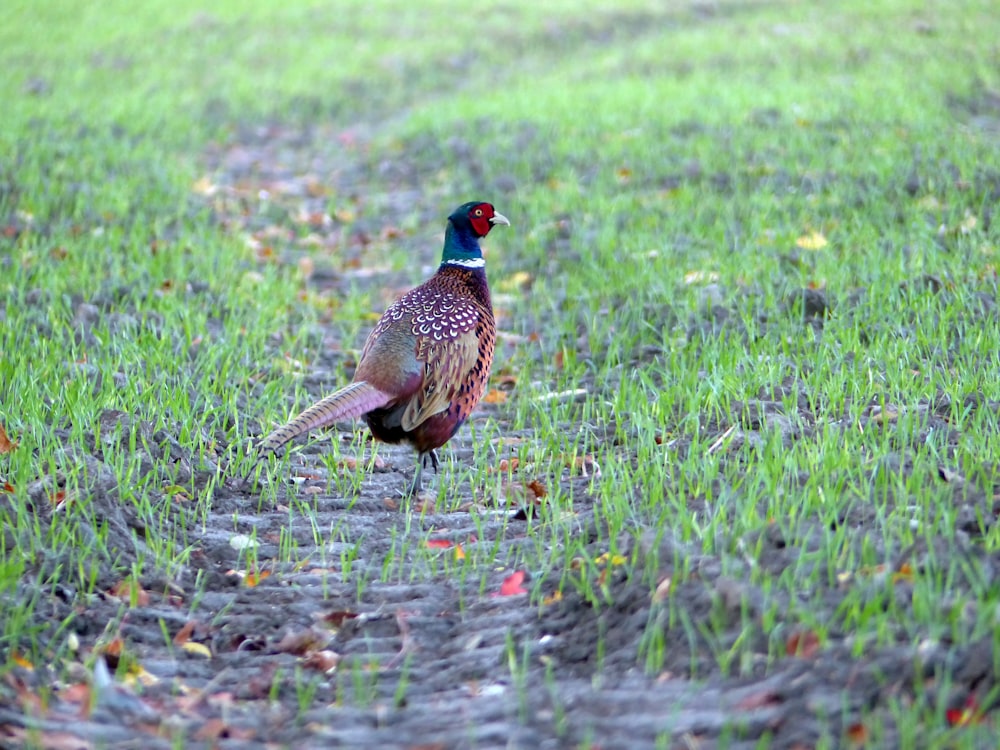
x,y
478,212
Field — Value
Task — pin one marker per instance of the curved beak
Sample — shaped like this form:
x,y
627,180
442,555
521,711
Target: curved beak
x,y
499,219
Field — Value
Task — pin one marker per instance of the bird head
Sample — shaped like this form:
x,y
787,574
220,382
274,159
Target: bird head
x,y
466,226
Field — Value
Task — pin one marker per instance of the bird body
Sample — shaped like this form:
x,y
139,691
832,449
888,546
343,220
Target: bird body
x,y
424,367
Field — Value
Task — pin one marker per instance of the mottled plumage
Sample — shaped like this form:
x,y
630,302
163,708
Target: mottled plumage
x,y
425,366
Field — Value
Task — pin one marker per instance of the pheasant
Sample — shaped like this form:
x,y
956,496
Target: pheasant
x,y
424,367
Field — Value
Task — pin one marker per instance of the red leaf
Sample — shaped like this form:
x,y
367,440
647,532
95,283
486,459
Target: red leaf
x,y
969,713
439,543
512,584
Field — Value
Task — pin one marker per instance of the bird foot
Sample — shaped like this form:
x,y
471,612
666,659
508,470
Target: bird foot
x,y
421,462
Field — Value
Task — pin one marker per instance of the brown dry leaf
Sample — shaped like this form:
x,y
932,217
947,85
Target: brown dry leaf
x,y
537,488
801,643
508,464
337,618
125,590
322,661
112,652
184,634
857,733
555,596
6,487
584,464
302,642
6,444
559,360
662,590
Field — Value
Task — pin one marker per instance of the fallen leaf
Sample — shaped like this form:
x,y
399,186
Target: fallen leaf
x,y
439,543
322,661
606,558
812,241
508,464
338,617
302,642
512,584
6,444
857,733
184,634
7,487
128,591
970,713
197,649
537,488
662,590
495,397
904,574
803,644
699,277
252,579
555,596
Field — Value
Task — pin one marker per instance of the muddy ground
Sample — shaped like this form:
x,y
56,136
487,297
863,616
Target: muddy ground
x,y
299,660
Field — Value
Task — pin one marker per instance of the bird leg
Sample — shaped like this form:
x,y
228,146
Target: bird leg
x,y
421,460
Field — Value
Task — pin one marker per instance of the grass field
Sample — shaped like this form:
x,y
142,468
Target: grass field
x,y
742,432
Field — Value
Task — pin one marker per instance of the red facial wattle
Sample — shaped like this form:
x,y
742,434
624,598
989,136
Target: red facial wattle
x,y
480,217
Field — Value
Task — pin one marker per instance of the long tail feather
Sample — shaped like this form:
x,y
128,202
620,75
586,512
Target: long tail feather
x,y
350,401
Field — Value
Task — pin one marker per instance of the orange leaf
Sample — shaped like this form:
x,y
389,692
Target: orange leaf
x,y
495,397
185,632
6,444
7,487
459,552
440,543
253,579
537,488
509,464
512,584
905,573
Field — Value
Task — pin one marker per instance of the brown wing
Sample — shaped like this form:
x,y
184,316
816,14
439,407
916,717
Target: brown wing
x,y
447,365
